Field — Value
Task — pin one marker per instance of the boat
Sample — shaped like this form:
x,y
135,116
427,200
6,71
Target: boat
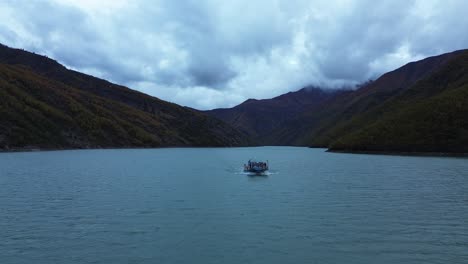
x,y
257,167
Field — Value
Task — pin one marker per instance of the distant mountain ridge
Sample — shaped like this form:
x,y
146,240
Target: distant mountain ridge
x,y
354,120
258,118
45,105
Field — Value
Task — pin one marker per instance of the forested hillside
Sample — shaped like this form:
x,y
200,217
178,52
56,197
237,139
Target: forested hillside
x,y
44,105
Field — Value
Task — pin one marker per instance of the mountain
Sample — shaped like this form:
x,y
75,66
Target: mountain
x,y
259,118
45,105
349,113
320,127
419,107
429,116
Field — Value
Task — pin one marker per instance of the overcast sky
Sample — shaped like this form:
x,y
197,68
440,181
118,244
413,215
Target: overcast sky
x,y
213,53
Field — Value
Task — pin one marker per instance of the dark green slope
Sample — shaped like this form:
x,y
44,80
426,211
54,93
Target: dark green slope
x,y
321,125
40,111
338,117
430,116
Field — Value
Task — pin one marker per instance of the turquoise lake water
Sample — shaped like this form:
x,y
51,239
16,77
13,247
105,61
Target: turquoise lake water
x,y
197,206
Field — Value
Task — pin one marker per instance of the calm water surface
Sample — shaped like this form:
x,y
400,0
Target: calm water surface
x,y
195,206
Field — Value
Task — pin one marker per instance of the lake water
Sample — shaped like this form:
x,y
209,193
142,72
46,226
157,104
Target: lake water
x,y
196,206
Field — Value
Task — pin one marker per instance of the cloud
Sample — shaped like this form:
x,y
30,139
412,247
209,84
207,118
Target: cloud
x,y
208,53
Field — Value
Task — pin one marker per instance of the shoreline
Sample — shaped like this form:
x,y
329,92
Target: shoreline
x,y
402,153
368,152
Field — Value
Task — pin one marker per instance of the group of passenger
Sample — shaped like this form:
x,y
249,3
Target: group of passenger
x,y
253,164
